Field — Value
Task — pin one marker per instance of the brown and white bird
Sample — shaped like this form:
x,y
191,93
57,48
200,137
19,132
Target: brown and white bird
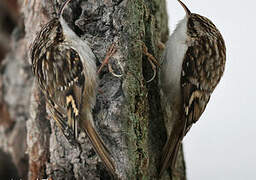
x,y
64,66
192,66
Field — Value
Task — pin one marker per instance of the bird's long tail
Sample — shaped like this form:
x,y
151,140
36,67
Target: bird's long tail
x,y
98,145
172,146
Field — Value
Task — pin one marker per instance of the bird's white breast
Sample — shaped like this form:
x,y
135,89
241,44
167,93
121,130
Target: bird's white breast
x,y
172,62
170,74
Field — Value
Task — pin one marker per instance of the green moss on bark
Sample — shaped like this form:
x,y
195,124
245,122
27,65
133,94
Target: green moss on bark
x,y
146,22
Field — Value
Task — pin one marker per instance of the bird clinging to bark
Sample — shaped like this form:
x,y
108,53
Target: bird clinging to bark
x,y
64,66
192,66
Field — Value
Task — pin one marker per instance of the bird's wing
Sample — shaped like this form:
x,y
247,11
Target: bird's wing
x,y
61,76
201,74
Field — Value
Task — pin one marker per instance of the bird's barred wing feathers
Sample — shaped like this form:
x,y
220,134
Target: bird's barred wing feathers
x,y
61,76
201,72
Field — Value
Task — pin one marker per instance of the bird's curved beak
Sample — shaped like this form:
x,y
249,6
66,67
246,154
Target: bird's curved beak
x,y
63,7
185,8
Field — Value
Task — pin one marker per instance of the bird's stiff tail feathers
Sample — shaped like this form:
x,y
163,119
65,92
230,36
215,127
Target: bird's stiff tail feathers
x,y
172,146
98,145
85,120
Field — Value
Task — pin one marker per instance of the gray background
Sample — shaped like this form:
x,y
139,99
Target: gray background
x,y
221,146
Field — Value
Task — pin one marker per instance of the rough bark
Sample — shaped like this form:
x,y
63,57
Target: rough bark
x,y
127,113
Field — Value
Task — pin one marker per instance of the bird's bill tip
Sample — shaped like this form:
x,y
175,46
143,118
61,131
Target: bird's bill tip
x,y
185,7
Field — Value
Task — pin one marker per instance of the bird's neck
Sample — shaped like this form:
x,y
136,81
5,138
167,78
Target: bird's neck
x,y
67,31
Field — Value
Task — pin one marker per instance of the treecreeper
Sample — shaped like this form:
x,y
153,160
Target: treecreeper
x,y
192,65
64,67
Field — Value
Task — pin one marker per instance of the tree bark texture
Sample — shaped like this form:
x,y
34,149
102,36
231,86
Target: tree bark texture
x,y
127,115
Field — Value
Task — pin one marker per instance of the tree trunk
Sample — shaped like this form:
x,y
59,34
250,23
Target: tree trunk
x,y
127,114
